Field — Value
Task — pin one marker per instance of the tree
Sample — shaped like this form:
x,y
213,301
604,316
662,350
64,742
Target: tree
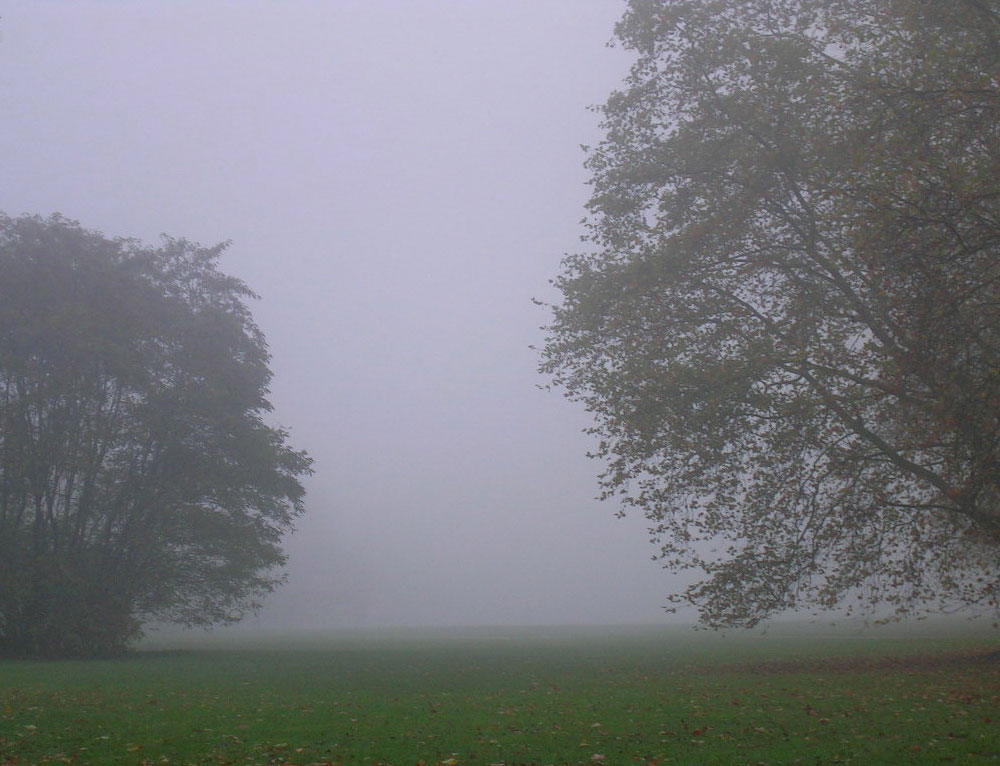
x,y
788,325
138,478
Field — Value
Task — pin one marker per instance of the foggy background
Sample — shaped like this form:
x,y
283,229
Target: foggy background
x,y
398,179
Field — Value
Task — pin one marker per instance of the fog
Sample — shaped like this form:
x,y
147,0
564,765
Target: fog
x,y
398,180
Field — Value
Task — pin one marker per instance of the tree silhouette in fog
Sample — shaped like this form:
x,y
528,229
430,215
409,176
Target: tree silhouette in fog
x,y
788,325
138,478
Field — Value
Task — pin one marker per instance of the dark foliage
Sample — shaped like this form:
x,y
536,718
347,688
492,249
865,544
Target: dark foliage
x,y
788,328
138,479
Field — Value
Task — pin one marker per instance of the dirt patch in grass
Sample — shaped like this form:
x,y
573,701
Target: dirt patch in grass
x,y
988,660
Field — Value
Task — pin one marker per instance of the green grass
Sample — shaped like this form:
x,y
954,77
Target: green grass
x,y
504,696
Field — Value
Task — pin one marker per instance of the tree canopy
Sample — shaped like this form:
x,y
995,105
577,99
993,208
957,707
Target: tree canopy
x,y
138,478
787,325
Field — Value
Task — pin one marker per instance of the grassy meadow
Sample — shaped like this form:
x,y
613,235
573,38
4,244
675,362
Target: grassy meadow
x,y
517,696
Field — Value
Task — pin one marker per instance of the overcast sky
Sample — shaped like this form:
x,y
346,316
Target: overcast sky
x,y
398,178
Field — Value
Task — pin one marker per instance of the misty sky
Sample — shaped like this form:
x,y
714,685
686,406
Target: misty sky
x,y
398,179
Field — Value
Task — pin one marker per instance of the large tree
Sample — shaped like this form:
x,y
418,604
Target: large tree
x,y
138,477
788,322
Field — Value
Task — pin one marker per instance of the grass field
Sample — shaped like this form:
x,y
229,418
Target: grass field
x,y
516,696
